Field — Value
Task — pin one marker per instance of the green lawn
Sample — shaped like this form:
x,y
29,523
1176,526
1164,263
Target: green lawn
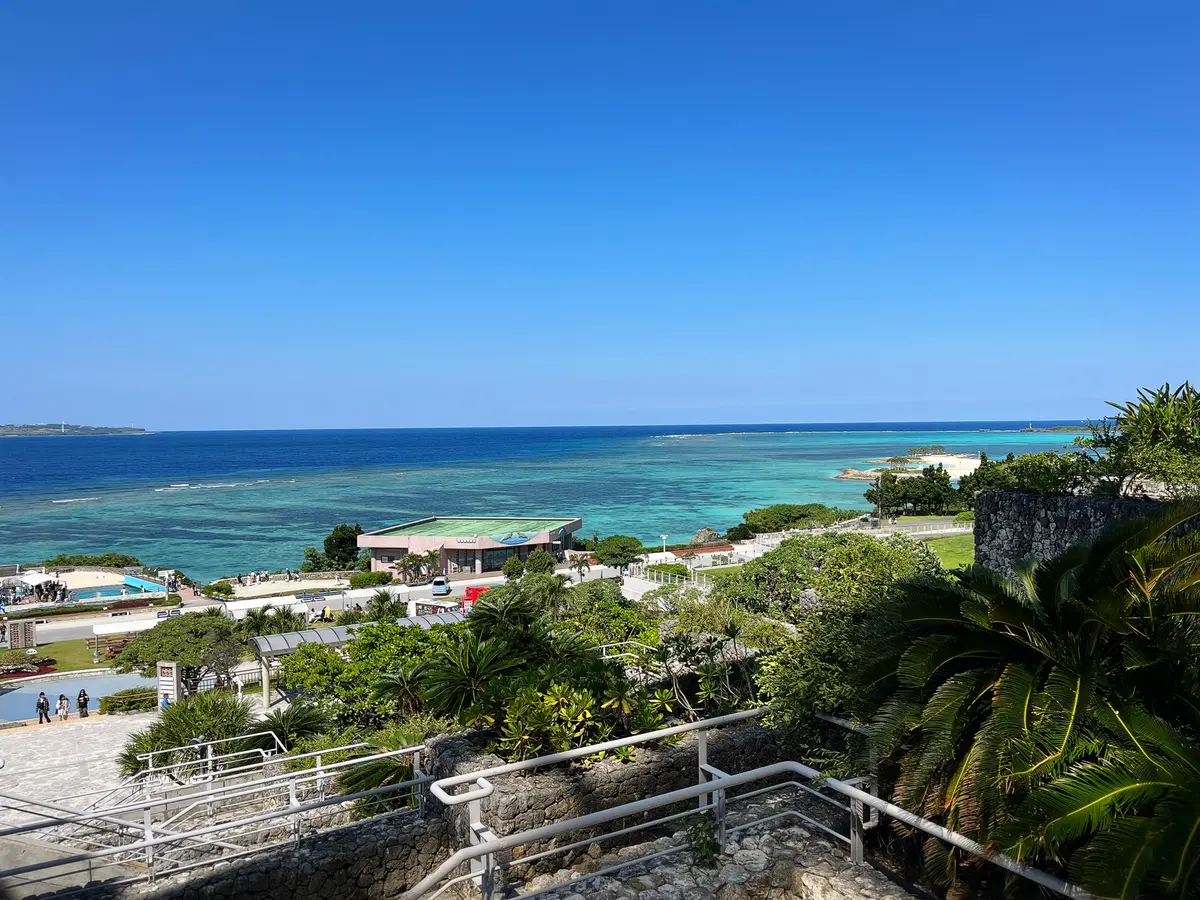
x,y
718,570
71,656
954,551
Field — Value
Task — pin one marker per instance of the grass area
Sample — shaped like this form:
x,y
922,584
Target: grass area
x,y
718,570
71,656
954,551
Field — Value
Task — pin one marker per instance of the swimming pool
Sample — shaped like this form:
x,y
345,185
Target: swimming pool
x,y
131,586
19,703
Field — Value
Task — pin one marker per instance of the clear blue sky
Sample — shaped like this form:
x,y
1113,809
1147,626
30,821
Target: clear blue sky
x,y
226,214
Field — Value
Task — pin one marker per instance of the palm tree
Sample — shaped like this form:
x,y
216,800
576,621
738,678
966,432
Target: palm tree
x,y
257,621
432,562
503,611
402,687
459,677
580,565
385,605
211,716
1136,809
297,722
999,687
550,592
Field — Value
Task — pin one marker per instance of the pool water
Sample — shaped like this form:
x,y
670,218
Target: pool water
x,y
19,703
132,587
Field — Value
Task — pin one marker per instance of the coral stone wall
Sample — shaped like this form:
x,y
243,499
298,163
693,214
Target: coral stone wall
x,y
1010,527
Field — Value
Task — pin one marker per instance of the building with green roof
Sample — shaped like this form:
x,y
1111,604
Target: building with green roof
x,y
469,543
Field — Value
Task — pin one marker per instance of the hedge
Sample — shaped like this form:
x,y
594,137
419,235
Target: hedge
x,y
670,569
370,579
964,517
129,700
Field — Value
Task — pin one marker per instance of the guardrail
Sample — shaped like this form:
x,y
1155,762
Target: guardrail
x,y
156,836
481,856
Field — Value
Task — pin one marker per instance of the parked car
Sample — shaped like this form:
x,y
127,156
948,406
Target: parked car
x,y
420,582
441,586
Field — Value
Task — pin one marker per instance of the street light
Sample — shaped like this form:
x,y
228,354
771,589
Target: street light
x,y
664,540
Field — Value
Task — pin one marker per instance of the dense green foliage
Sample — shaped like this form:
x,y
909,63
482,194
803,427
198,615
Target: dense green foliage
x,y
539,562
109,560
782,516
369,579
618,550
345,687
929,493
214,714
202,643
1154,438
835,566
513,568
670,569
135,699
341,545
1053,715
219,589
603,616
696,614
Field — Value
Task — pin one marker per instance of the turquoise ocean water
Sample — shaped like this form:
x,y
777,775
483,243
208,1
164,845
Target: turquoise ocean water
x,y
214,503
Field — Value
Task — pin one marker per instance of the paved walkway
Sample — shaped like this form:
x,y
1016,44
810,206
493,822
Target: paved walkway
x,y
49,762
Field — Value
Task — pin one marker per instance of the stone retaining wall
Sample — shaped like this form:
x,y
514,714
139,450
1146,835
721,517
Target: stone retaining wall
x,y
530,800
1010,527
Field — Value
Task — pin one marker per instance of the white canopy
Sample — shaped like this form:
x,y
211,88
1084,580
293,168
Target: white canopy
x,y
33,578
122,625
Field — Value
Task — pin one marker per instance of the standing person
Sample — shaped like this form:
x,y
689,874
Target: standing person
x,y
43,709
64,707
81,703
166,702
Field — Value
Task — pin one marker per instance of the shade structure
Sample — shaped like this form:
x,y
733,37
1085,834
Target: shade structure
x,y
268,646
35,578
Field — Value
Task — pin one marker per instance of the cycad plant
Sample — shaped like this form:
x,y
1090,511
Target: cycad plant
x,y
296,723
999,687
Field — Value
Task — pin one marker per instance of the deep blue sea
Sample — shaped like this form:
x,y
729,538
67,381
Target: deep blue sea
x,y
220,502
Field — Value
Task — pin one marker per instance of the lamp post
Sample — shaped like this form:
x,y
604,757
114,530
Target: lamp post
x,y
664,540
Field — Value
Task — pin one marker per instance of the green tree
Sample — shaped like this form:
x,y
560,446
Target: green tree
x,y
513,568
202,644
386,606
784,581
1006,697
315,561
458,677
341,545
539,562
783,516
885,494
1154,438
291,725
618,550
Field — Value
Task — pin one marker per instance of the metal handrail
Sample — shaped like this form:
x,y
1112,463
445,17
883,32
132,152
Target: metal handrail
x,y
438,788
280,748
546,832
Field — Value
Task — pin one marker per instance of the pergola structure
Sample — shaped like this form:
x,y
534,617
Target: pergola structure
x,y
269,647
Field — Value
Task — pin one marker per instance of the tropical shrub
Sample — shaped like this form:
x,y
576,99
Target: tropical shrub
x,y
618,550
832,566
782,516
741,532
1053,715
298,722
964,518
344,685
513,568
369,579
271,619
602,615
106,560
14,662
135,699
219,589
539,562
213,715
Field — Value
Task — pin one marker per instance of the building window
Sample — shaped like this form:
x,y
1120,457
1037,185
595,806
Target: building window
x,y
388,559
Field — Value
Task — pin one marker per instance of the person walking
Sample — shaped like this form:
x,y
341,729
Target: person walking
x,y
64,707
43,709
81,703
166,702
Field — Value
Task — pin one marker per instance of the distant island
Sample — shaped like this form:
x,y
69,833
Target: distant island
x,y
63,429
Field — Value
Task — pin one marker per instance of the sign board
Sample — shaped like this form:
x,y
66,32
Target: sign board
x,y
18,635
168,682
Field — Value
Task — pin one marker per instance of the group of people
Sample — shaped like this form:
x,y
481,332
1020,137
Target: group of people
x,y
44,592
62,708
257,577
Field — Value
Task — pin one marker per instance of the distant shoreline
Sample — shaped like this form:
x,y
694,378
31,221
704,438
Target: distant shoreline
x,y
62,430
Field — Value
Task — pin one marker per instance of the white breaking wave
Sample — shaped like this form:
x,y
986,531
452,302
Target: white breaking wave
x,y
76,500
187,486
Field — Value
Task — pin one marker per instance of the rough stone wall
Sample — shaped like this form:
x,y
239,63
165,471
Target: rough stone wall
x,y
529,800
1010,527
370,860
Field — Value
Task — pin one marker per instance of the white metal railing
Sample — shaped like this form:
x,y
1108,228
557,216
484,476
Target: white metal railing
x,y
159,835
483,858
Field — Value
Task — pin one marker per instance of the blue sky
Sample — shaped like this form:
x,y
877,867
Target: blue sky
x,y
233,215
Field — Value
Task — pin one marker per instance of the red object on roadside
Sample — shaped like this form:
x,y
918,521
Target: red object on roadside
x,y
471,596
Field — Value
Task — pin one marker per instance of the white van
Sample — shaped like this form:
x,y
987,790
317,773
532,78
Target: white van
x,y
441,586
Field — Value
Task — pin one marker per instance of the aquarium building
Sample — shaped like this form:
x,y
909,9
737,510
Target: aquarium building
x,y
468,544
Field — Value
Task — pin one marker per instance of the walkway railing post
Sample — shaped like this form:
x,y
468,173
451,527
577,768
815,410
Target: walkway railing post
x,y
856,831
148,831
701,762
